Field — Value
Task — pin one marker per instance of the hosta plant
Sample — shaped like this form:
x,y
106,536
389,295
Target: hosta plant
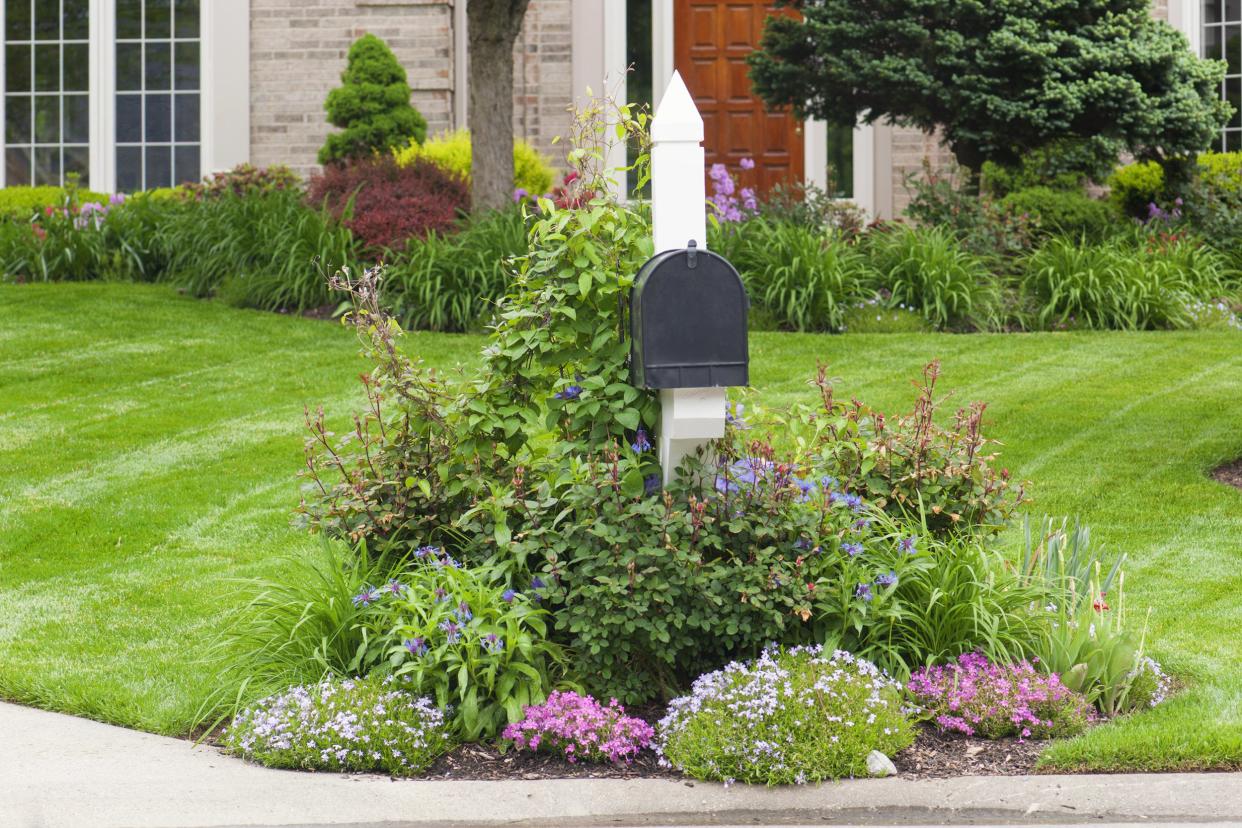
x,y
367,724
977,697
800,716
579,728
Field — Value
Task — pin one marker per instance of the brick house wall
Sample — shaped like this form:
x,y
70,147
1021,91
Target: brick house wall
x,y
299,47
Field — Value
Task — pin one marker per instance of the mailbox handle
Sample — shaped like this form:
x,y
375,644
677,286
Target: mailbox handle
x,y
692,254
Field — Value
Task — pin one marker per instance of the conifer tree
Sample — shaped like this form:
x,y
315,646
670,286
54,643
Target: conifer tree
x,y
372,105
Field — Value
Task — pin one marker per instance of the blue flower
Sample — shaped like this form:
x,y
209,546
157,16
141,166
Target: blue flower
x,y
641,443
651,484
416,646
733,415
570,392
395,587
863,591
907,545
463,613
801,543
425,551
441,595
537,583
366,598
508,595
493,643
852,549
452,632
861,525
886,580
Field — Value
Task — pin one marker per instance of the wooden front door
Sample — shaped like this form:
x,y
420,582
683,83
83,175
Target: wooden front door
x,y
711,41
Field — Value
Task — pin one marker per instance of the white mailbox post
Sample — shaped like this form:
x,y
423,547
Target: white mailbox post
x,y
690,417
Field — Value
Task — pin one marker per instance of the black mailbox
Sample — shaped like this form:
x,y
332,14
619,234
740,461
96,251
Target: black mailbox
x,y
688,322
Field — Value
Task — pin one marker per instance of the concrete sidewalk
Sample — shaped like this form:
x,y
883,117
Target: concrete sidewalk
x,y
59,770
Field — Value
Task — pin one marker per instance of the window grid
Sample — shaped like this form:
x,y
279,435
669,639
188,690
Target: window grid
x,y
158,134
46,96
1222,40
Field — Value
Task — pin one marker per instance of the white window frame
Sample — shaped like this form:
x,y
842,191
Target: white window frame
x,y
224,93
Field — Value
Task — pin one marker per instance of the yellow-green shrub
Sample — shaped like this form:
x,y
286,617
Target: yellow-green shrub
x,y
24,202
1221,172
1135,186
451,152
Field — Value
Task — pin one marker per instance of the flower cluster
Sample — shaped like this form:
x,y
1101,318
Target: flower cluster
x,y
1217,314
579,727
369,724
975,697
1149,683
724,201
794,717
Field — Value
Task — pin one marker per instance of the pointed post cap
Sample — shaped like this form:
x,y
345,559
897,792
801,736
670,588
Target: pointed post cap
x,y
677,118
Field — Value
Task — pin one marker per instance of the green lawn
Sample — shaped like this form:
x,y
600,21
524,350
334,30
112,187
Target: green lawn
x,y
149,446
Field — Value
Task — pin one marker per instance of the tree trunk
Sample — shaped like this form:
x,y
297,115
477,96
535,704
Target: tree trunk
x,y
492,27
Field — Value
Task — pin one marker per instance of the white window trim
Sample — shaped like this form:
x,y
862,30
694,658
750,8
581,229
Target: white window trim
x,y
1187,17
224,94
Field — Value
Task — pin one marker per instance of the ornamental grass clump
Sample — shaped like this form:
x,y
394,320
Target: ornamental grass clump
x,y
366,724
580,728
799,717
978,698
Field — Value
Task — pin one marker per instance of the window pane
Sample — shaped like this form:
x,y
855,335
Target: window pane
x,y
1233,10
128,169
47,21
1233,94
78,160
77,67
186,164
1233,141
17,166
158,72
159,19
129,119
159,167
47,165
47,119
17,68
17,21
159,118
187,65
1211,11
47,68
77,119
17,119
840,162
76,21
187,118
129,66
187,18
1233,49
1212,43
129,19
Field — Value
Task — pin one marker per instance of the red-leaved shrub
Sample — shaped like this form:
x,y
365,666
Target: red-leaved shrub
x,y
391,203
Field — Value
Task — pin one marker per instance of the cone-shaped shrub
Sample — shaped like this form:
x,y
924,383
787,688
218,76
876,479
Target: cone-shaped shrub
x,y
372,105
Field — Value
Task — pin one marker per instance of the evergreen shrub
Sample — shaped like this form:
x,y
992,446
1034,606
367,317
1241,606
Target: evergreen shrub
x,y
371,106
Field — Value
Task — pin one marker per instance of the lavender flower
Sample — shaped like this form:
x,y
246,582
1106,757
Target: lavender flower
x,y
394,587
366,598
641,443
452,632
417,646
441,595
863,591
492,643
463,613
426,551
887,579
508,595
571,392
907,545
852,549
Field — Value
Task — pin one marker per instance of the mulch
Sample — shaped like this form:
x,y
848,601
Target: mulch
x,y
1230,474
933,755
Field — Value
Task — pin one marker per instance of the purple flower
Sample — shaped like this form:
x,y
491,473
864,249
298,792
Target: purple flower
x,y
537,583
395,587
886,580
651,484
641,443
425,551
116,198
863,591
579,727
571,392
907,545
463,613
508,595
519,194
416,646
366,598
451,630
747,163
441,595
852,549
492,643
733,415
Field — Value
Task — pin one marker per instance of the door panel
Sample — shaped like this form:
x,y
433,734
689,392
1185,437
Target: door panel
x,y
711,41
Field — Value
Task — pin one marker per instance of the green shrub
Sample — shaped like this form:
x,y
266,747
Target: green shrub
x,y
1124,283
25,202
244,179
451,152
979,223
811,207
804,277
351,725
1062,165
1221,174
1134,187
453,282
795,717
879,316
1064,213
371,106
928,269
478,647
